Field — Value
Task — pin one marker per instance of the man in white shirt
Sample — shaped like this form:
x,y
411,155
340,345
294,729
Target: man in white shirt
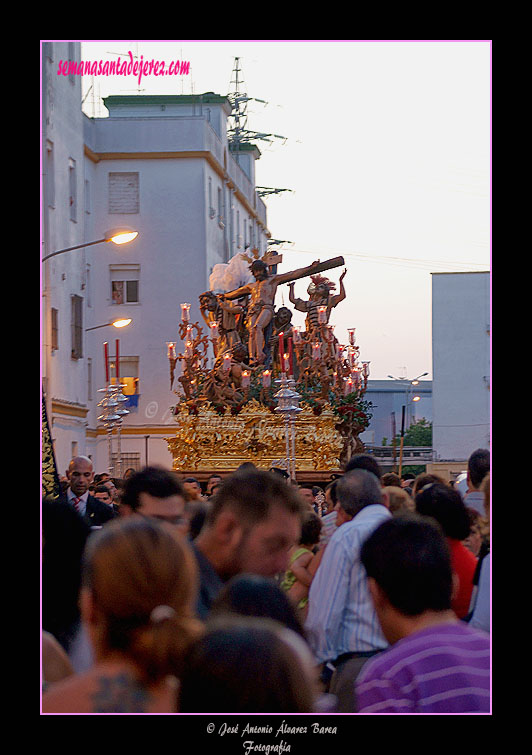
x,y
342,626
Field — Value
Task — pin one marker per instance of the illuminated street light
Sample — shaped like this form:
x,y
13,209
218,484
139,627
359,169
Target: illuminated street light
x,y
118,236
121,323
409,383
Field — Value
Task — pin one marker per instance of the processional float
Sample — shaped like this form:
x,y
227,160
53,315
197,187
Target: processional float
x,y
254,387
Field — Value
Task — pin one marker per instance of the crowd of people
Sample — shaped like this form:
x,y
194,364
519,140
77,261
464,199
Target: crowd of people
x,y
252,594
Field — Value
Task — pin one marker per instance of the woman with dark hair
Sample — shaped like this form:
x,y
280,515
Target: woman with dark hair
x,y
261,597
138,592
248,665
446,506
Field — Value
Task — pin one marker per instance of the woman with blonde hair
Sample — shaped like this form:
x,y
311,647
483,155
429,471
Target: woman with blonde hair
x,y
138,592
399,501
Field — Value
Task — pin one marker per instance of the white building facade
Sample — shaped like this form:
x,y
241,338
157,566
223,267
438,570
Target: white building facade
x,y
65,364
162,166
461,398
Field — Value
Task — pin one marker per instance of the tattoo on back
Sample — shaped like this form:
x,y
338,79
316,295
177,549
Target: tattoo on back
x,y
119,694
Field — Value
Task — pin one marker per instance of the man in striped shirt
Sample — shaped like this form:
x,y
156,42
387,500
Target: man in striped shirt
x,y
342,626
436,663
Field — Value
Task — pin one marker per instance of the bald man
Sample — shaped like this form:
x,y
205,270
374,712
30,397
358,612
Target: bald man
x,y
80,474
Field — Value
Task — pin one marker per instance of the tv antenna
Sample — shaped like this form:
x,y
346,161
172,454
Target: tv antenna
x,y
238,133
263,191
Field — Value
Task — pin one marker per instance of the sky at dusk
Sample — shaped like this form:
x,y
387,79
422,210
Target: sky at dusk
x,y
385,148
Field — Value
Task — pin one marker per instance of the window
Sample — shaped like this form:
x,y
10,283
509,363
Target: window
x,y
89,379
125,292
86,286
55,328
71,57
220,209
77,327
212,211
49,177
124,193
125,461
125,284
87,197
72,184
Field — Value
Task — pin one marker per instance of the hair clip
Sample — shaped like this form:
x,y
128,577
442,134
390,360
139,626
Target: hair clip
x,y
161,613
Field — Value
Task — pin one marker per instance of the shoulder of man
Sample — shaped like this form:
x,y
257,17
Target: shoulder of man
x,y
94,505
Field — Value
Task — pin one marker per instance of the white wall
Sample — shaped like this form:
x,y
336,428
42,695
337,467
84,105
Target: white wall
x,y
64,379
461,364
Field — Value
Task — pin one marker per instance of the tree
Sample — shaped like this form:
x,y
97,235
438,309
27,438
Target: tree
x,y
418,434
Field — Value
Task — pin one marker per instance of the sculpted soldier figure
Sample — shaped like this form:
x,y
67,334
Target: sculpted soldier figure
x,y
262,296
320,292
225,314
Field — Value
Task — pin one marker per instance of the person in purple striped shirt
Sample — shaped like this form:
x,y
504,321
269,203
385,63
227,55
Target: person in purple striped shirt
x,y
435,663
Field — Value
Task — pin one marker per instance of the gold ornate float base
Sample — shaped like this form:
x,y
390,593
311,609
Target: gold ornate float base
x,y
209,440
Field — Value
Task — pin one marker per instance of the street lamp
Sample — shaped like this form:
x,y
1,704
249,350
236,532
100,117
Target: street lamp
x,y
409,382
121,323
118,236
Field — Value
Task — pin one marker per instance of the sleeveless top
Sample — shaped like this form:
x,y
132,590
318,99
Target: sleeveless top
x,y
289,577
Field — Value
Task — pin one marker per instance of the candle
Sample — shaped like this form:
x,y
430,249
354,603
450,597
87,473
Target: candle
x,y
349,385
245,379
227,362
185,315
286,362
322,315
106,360
316,350
281,347
188,349
351,332
366,369
171,349
296,334
214,330
266,378
290,357
117,368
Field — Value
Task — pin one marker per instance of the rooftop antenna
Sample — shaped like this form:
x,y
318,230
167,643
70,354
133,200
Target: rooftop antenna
x,y
263,191
238,133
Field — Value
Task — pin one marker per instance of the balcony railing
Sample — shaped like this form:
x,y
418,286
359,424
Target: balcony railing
x,y
411,454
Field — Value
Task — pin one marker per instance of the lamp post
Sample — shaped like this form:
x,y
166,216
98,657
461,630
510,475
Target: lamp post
x,y
118,236
409,383
121,323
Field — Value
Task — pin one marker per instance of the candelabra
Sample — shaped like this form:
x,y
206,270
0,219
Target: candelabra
x,y
111,417
288,406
